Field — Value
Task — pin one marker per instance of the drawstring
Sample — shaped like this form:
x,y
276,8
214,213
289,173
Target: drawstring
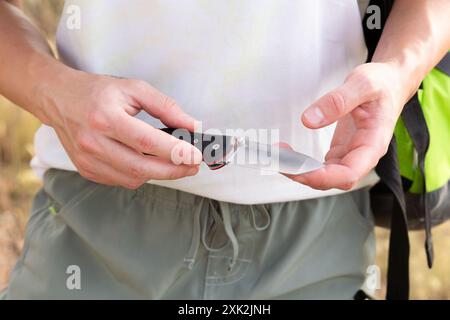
x,y
192,253
266,213
220,220
199,234
230,233
219,223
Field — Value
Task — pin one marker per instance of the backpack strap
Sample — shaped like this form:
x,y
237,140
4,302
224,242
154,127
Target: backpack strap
x,y
444,64
389,172
417,128
398,256
372,36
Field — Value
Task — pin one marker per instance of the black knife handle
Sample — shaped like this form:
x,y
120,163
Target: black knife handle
x,y
214,147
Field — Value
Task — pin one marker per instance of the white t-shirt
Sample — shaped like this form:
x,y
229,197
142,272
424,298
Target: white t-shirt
x,y
231,64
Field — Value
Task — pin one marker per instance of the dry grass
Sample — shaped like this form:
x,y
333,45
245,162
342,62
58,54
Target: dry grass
x,y
18,184
425,283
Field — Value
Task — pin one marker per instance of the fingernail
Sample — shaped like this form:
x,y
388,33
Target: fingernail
x,y
192,156
314,115
193,123
197,126
198,157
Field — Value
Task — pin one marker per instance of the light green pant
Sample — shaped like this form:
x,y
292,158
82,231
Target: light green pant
x,y
86,240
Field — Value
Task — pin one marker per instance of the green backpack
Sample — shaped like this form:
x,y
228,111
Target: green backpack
x,y
415,172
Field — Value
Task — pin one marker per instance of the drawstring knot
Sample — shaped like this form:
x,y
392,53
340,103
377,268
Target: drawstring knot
x,y
221,220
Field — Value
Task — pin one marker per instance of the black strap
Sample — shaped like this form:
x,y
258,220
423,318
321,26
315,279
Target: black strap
x,y
398,258
361,295
389,173
372,36
388,170
444,64
416,125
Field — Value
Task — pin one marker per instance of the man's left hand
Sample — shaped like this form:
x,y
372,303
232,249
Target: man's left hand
x,y
366,108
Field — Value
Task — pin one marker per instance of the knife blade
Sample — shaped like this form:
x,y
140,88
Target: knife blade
x,y
220,150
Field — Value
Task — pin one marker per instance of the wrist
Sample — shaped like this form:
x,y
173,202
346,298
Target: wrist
x,y
49,78
408,74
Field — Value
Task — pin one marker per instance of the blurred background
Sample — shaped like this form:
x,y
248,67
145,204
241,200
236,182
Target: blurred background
x,y
18,184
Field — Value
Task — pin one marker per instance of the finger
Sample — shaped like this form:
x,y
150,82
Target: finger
x,y
101,172
92,168
336,152
341,138
143,138
344,131
342,175
137,166
160,106
327,177
343,171
283,145
337,103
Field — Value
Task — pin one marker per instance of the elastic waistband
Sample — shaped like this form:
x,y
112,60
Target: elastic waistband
x,y
63,185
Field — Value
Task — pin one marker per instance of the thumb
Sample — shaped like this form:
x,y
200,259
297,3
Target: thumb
x,y
334,105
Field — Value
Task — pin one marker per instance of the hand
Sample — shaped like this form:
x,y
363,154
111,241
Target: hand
x,y
366,108
93,118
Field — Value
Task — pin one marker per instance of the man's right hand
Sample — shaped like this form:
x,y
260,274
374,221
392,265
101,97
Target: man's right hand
x,y
93,117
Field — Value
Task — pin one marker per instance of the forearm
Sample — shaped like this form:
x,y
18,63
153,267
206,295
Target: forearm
x,y
415,38
26,61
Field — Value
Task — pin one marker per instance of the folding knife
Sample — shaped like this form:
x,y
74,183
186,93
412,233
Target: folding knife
x,y
221,150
